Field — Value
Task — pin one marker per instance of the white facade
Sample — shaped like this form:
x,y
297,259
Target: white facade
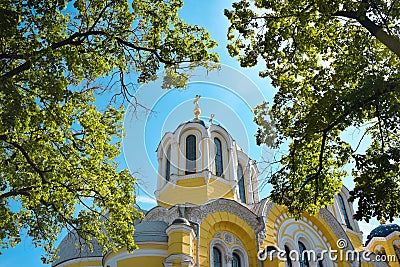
x,y
205,162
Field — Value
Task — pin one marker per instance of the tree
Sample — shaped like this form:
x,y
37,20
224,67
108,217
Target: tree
x,y
58,149
336,67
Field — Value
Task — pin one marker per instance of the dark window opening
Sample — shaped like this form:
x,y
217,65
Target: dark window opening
x,y
168,165
236,260
217,257
240,176
218,157
190,154
344,211
302,255
288,259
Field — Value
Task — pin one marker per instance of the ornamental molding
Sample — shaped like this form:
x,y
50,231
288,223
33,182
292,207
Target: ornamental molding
x,y
180,227
336,227
382,239
228,251
162,214
197,214
267,209
185,260
218,235
360,234
228,238
188,128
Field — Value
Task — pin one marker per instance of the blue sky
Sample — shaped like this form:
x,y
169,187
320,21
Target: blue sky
x,y
229,94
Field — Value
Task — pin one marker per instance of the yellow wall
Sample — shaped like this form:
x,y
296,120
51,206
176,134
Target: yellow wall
x,y
356,241
142,261
192,182
195,191
138,260
180,242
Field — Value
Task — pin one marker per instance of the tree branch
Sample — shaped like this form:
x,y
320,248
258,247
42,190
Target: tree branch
x,y
360,104
100,15
11,56
14,193
77,39
26,156
391,42
320,165
378,115
23,67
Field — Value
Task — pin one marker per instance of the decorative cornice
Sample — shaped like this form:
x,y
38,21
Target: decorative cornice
x,y
197,214
185,260
179,227
336,227
359,234
160,213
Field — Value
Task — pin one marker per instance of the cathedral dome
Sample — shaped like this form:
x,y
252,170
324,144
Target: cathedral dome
x,y
201,122
70,248
383,230
201,161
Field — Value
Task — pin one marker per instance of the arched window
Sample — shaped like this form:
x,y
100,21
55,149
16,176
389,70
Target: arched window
x,y
190,154
288,259
236,260
240,176
344,211
168,164
227,250
218,157
303,256
217,257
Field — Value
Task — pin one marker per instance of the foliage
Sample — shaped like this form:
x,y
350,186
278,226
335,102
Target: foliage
x,y
58,150
335,64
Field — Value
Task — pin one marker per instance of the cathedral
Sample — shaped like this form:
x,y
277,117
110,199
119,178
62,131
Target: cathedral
x,y
210,214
